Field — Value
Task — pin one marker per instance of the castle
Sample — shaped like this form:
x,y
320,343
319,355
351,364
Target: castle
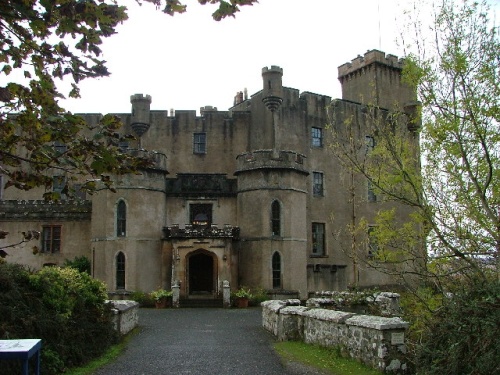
x,y
253,195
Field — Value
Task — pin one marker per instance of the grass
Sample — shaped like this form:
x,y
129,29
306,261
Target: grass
x,y
328,360
103,360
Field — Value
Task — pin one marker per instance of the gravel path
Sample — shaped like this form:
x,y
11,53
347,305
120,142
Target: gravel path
x,y
201,341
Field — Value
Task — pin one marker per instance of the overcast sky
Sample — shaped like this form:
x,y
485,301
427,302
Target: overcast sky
x,y
190,60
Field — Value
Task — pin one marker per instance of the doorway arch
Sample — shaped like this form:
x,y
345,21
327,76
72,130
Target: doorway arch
x,y
202,273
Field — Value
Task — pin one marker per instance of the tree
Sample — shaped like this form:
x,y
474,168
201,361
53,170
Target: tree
x,y
453,192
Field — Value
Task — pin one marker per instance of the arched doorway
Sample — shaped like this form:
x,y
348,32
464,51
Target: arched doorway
x,y
202,273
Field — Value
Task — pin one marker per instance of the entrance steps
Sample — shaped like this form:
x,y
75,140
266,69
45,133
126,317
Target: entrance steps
x,y
201,302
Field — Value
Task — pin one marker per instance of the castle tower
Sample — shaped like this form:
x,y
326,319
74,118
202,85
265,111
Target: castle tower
x,y
140,113
375,79
272,202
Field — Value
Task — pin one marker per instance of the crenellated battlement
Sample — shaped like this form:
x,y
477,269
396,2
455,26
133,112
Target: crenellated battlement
x,y
270,159
369,58
26,210
140,97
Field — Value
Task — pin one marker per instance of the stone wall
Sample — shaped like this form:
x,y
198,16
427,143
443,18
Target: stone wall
x,y
373,340
126,315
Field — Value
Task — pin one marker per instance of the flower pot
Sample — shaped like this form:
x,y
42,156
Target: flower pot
x,y
242,302
161,304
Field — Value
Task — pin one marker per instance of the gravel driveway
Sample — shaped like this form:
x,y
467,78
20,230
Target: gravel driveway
x,y
201,341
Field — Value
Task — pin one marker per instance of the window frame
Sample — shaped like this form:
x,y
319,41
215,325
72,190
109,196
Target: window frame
x,y
51,239
201,208
318,185
372,243
200,145
316,137
315,239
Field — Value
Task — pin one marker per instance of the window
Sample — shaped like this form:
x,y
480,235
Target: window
x,y
60,148
121,219
1,186
317,137
372,242
318,239
200,143
200,214
276,218
372,197
120,270
51,239
318,184
276,264
58,184
370,143
123,145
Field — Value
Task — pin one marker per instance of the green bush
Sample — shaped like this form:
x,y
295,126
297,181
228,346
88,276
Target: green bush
x,y
82,264
462,336
143,299
63,307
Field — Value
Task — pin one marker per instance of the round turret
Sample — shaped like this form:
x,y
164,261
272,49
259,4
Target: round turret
x,y
272,87
140,113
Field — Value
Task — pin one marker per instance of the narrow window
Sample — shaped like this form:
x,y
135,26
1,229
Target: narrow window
x,y
120,271
200,143
318,239
276,218
372,242
121,219
51,239
1,186
372,197
317,137
276,264
317,184
370,143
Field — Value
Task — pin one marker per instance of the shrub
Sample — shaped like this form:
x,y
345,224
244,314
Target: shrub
x,y
143,299
462,337
82,264
63,307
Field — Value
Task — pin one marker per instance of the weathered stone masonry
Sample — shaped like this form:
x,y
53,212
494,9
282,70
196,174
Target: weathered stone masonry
x,y
374,340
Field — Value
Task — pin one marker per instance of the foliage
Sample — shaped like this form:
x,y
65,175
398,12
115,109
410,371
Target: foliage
x,y
327,360
63,307
243,293
81,264
160,294
462,337
258,295
142,298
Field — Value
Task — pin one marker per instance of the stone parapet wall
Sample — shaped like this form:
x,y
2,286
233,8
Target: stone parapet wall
x,y
126,315
373,340
26,210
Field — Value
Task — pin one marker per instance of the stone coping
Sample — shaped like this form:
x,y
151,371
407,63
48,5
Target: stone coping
x,y
376,322
328,315
122,305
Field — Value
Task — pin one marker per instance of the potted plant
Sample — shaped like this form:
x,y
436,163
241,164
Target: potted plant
x,y
161,297
242,296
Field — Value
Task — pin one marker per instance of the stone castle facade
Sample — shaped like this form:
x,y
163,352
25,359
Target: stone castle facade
x,y
252,195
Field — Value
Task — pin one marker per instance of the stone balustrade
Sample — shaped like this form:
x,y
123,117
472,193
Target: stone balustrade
x,y
373,340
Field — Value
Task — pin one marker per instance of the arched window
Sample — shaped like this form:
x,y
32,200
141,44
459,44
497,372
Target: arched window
x,y
276,218
121,219
120,270
276,264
